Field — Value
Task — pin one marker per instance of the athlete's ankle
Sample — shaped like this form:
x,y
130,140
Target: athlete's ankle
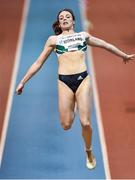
x,y
88,148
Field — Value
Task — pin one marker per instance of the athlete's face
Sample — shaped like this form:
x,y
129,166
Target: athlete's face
x,y
66,20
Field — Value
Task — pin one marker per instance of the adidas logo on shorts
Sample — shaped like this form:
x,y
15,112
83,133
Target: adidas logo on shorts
x,y
80,78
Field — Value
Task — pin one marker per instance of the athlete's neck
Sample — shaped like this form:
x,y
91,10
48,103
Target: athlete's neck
x,y
68,32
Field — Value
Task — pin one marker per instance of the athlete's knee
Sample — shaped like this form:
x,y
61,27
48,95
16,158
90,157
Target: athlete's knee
x,y
67,120
86,124
66,126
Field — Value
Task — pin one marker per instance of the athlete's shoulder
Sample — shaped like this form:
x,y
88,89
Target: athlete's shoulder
x,y
51,40
85,34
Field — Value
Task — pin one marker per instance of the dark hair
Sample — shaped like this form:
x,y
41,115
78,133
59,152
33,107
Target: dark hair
x,y
56,27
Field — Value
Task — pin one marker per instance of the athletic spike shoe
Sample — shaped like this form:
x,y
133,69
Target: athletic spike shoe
x,y
90,160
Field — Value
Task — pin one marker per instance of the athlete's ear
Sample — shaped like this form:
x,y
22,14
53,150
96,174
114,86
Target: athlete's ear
x,y
73,22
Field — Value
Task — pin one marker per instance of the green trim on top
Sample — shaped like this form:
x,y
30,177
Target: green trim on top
x,y
61,49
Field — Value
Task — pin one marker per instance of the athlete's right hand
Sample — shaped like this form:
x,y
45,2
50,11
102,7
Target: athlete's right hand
x,y
19,88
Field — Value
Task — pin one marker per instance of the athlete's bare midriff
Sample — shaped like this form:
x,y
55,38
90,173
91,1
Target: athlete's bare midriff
x,y
71,63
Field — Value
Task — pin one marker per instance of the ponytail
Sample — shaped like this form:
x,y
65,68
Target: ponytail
x,y
56,28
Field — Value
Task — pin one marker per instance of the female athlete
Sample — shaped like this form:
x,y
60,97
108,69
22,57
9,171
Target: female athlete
x,y
74,83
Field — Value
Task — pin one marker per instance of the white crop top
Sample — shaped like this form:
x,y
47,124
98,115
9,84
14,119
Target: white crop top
x,y
72,42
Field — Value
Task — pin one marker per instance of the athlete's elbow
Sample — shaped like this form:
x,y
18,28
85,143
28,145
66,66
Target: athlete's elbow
x,y
38,64
35,67
102,44
109,46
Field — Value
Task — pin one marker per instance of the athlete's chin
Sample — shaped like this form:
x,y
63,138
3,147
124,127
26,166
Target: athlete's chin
x,y
66,27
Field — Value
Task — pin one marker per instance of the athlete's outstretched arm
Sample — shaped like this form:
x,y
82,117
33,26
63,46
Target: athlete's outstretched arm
x,y
49,46
93,41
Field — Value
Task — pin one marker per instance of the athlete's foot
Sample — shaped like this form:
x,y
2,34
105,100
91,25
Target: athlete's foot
x,y
90,159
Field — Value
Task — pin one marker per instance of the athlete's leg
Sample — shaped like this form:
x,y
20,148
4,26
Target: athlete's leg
x,y
84,98
66,105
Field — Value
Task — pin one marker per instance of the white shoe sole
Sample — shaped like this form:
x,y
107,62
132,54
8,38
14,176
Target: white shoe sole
x,y
91,165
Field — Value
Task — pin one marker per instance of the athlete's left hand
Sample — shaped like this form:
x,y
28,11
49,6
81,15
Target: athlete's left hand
x,y
127,58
